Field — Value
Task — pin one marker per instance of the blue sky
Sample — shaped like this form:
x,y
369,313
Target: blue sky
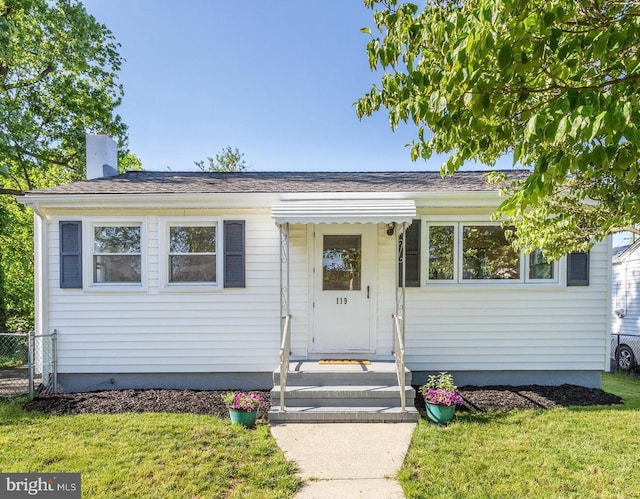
x,y
276,79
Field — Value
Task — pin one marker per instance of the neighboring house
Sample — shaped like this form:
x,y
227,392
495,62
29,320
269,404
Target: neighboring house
x,y
180,279
625,291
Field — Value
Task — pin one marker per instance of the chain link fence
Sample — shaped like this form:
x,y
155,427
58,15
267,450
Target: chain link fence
x,y
625,350
28,364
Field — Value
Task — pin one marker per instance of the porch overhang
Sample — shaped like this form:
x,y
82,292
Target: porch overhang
x,y
341,211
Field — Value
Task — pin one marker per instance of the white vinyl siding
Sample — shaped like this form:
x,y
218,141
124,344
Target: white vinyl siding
x,y
510,326
236,330
448,327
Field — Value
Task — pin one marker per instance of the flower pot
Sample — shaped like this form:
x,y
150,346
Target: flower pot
x,y
440,414
244,418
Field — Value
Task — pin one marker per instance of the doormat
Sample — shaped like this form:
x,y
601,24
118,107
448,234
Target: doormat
x,y
344,361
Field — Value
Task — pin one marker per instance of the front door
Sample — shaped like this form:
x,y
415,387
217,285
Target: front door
x,y
343,295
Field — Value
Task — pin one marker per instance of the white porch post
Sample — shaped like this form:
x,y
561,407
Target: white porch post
x,y
401,252
284,273
285,317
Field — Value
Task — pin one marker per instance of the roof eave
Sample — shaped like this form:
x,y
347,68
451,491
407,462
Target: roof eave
x,y
251,200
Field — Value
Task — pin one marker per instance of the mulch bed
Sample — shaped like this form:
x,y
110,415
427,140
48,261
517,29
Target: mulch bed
x,y
506,398
118,401
476,399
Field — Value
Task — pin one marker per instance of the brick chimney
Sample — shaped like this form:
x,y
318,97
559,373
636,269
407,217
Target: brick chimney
x,y
102,156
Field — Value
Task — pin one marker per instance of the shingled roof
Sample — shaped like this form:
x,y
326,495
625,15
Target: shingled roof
x,y
154,182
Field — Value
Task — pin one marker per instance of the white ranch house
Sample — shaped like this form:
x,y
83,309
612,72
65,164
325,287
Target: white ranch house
x,y
190,280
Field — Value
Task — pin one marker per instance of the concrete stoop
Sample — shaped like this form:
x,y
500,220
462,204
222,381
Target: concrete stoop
x,y
330,393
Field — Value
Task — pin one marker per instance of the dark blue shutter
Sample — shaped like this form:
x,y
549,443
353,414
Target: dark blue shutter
x,y
412,254
70,234
578,269
234,254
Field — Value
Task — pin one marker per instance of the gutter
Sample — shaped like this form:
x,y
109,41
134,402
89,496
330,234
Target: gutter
x,y
252,199
40,260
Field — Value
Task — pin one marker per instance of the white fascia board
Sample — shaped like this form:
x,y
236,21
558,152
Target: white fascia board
x,y
458,199
88,201
251,200
440,199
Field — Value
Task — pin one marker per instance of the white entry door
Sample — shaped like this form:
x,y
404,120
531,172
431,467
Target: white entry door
x,y
343,295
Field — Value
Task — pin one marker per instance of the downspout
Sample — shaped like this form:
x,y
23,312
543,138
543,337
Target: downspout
x,y
40,260
609,305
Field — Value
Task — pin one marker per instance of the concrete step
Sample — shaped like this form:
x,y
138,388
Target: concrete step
x,y
342,395
317,392
343,415
311,373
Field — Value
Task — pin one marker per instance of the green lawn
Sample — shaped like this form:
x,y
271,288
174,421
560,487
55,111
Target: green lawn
x,y
573,452
147,455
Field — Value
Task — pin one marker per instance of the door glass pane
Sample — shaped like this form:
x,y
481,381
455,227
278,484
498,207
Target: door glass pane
x,y
341,263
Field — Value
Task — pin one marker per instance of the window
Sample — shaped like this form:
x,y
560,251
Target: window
x,y
441,247
486,253
539,267
117,255
465,252
192,254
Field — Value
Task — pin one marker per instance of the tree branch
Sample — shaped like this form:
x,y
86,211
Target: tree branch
x,y
48,159
627,228
30,81
11,192
598,86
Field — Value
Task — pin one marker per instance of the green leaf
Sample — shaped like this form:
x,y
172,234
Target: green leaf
x,y
599,156
532,126
505,57
626,112
561,131
597,124
524,77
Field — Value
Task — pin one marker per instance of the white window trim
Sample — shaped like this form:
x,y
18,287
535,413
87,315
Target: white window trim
x,y
456,243
458,222
87,255
529,280
163,257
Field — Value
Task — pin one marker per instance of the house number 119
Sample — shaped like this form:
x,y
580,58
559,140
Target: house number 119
x,y
341,301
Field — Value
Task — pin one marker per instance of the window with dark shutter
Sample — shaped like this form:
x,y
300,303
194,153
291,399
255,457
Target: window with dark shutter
x,y
412,255
70,234
234,265
578,269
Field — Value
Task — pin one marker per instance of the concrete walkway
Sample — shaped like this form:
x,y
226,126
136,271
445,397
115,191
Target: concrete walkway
x,y
346,460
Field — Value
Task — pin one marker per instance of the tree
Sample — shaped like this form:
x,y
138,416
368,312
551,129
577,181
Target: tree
x,y
58,81
227,160
58,70
556,84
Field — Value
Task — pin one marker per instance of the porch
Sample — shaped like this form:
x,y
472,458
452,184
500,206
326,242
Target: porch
x,y
345,274
358,391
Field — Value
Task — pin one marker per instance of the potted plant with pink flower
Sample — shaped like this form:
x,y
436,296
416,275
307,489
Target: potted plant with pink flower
x,y
440,397
243,407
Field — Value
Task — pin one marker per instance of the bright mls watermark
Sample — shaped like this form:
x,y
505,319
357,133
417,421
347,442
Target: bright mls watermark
x,y
45,485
